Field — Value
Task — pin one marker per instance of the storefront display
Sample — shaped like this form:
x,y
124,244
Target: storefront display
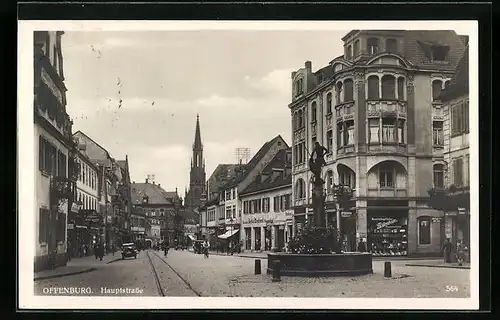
x,y
388,235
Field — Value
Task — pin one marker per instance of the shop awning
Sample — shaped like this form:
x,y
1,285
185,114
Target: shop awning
x,y
228,234
191,237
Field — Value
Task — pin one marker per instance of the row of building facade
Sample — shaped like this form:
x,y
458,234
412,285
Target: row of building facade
x,y
83,195
393,115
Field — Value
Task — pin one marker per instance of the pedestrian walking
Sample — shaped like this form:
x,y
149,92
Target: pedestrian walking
x,y
447,248
165,248
361,245
460,252
206,245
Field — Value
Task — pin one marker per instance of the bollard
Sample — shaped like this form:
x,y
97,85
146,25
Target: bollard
x,y
276,271
258,269
387,270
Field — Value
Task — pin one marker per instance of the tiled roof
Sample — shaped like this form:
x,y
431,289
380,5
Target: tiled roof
x,y
419,42
155,193
460,83
224,172
252,163
272,181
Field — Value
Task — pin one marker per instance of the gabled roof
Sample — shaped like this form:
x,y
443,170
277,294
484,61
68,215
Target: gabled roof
x,y
460,82
272,181
224,171
83,134
246,169
156,194
419,42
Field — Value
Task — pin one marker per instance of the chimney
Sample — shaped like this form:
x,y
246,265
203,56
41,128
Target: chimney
x,y
147,180
308,65
159,185
133,182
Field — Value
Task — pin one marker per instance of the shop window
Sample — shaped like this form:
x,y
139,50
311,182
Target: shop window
x,y
329,103
373,88
391,45
388,87
388,130
339,92
314,108
356,48
401,88
348,90
437,133
438,170
373,46
458,168
437,86
386,177
424,230
43,225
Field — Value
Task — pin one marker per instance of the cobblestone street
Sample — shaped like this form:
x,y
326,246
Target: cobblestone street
x,y
231,276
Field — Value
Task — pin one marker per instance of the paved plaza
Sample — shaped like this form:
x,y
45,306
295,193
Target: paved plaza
x,y
184,273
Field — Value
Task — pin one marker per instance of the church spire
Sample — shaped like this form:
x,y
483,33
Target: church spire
x,y
197,137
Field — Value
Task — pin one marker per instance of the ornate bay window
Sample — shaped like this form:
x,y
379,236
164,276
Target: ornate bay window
x,y
386,130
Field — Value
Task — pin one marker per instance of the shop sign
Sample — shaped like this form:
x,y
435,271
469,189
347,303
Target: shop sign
x,y
75,208
346,214
71,226
461,211
436,220
385,222
253,220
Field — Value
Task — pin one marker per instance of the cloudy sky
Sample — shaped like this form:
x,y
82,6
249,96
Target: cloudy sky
x,y
138,93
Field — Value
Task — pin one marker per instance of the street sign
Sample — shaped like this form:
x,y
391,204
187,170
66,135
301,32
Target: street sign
x,y
346,214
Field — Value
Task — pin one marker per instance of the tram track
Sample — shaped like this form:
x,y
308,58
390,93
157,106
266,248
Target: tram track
x,y
157,279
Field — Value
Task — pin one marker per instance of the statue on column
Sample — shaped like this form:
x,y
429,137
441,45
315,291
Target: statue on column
x,y
315,165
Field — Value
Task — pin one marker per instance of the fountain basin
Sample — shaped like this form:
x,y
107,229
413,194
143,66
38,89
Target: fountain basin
x,y
310,265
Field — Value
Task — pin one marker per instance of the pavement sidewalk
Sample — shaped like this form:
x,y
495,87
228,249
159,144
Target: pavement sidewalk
x,y
438,264
77,266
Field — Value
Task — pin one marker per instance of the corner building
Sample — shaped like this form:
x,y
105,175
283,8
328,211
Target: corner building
x,y
376,110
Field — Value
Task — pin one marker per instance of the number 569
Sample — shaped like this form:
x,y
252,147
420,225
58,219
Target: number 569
x,y
451,288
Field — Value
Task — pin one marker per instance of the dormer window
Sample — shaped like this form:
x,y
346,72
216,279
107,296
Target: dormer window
x,y
373,47
391,45
299,87
348,54
439,53
320,78
356,49
145,199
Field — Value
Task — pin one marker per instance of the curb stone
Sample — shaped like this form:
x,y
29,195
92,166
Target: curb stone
x,y
435,266
64,274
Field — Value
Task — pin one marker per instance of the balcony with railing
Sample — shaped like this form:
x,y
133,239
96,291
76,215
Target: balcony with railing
x,y
386,108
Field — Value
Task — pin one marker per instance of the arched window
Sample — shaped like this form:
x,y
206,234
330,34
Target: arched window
x,y
300,190
314,107
391,45
438,170
437,86
424,230
348,90
356,49
339,92
329,103
373,88
348,52
329,182
388,87
373,47
401,88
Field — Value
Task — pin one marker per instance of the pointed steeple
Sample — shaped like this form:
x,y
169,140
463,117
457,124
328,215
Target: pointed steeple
x,y
197,137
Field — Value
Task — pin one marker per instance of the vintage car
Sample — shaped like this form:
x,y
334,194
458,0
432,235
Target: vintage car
x,y
129,250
